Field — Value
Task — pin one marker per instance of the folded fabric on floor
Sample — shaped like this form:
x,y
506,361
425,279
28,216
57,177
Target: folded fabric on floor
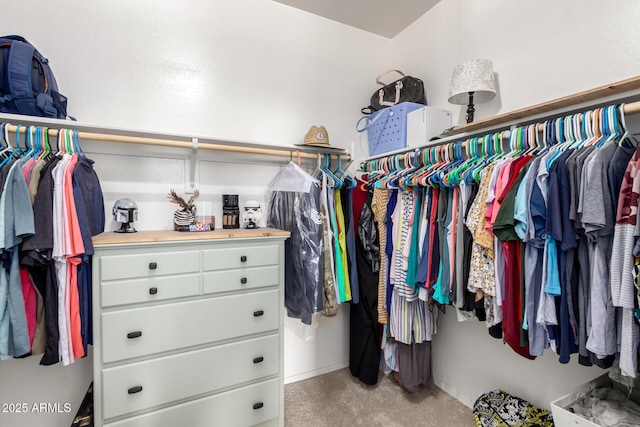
x,y
608,407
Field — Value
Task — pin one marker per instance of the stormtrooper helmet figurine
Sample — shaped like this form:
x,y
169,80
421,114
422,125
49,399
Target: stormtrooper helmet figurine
x,y
252,214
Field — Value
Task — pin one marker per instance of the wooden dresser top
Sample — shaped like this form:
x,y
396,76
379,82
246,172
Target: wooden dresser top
x,y
110,237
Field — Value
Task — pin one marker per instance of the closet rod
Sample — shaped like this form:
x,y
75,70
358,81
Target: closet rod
x,y
630,108
600,92
53,133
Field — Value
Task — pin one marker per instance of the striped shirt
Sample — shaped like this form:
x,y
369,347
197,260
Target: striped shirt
x,y
409,320
379,208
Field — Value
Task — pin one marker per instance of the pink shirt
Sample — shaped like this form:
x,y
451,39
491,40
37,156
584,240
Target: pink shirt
x,y
30,302
73,247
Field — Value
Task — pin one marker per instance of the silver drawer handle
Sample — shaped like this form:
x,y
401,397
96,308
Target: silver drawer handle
x,y
134,390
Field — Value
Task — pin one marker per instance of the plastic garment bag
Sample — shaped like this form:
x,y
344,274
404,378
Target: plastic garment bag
x,y
294,206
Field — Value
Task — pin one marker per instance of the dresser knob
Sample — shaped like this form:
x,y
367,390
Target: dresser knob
x,y
153,291
243,280
135,334
258,405
258,359
134,390
258,313
243,258
153,265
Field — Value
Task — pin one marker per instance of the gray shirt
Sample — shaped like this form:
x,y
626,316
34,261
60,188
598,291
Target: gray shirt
x,y
18,223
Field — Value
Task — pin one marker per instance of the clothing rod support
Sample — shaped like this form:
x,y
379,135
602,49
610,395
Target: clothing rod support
x,y
193,161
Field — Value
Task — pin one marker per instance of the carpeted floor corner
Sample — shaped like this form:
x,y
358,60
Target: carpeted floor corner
x,y
339,399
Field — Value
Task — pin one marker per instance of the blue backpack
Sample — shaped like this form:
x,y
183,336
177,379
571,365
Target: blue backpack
x,y
27,84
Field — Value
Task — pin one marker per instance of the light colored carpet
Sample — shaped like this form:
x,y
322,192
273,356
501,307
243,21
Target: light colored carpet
x,y
339,399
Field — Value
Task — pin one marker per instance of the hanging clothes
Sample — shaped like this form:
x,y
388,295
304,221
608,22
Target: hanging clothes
x,y
294,206
364,344
38,259
622,282
341,251
531,239
350,237
330,295
29,239
16,223
379,209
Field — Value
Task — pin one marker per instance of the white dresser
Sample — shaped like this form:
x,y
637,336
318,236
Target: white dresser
x,y
188,328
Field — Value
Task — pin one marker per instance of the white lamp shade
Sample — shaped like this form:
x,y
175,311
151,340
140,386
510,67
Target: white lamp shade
x,y
473,76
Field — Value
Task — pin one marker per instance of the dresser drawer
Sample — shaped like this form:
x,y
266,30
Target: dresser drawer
x,y
150,289
234,257
142,331
245,278
149,264
229,409
167,379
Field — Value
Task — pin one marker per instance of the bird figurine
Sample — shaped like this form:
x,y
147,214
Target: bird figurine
x,y
186,215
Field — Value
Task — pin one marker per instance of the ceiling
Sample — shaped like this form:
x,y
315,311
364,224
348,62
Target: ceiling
x,y
386,18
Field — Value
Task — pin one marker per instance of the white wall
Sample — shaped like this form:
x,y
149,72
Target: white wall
x,y
251,70
540,51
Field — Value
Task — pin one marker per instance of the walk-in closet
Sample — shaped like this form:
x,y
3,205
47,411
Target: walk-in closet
x,y
287,269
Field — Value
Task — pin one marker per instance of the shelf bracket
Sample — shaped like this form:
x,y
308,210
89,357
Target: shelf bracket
x,y
192,186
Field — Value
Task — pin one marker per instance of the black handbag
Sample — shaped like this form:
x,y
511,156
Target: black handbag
x,y
405,89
